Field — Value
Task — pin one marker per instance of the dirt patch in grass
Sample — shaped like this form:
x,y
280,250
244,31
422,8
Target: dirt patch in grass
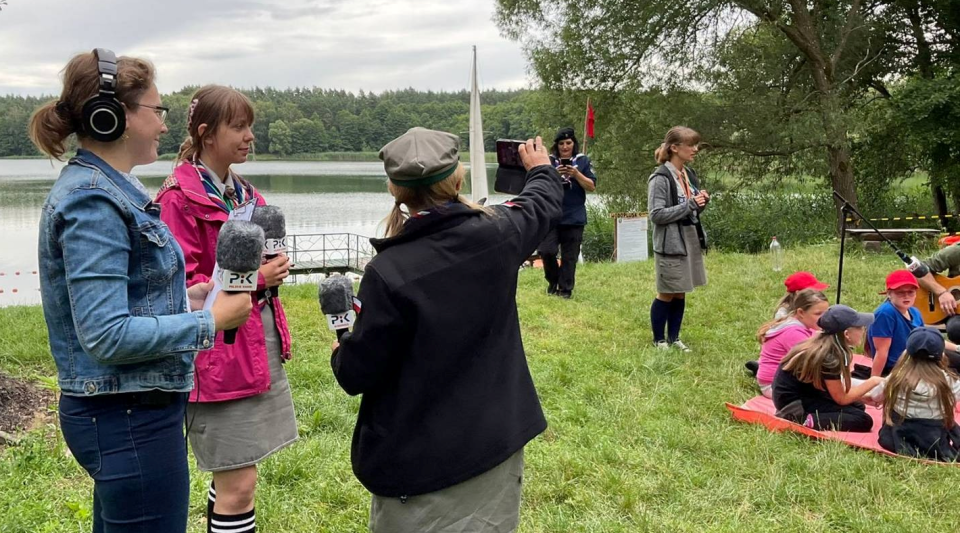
x,y
21,403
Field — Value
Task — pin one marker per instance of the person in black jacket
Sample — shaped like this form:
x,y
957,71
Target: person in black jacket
x,y
448,401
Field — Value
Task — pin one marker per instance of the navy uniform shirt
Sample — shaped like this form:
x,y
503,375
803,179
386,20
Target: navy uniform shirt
x,y
574,197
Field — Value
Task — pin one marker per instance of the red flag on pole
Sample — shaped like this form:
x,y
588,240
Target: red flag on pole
x,y
588,128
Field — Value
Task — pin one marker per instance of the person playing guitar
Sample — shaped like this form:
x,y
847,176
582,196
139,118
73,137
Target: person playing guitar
x,y
937,300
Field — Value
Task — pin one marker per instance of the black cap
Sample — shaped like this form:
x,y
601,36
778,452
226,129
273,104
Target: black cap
x,y
840,317
565,133
926,343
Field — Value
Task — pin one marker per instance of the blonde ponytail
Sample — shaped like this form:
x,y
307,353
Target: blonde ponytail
x,y
187,151
394,221
662,154
49,129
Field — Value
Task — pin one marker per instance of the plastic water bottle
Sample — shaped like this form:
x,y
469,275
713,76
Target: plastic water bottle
x,y
776,255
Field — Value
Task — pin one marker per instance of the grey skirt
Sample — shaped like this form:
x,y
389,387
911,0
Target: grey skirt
x,y
681,273
238,433
488,503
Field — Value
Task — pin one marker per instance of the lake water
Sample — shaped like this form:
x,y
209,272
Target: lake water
x,y
316,197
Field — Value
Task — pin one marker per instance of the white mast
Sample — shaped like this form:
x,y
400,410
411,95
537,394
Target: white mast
x,y
478,163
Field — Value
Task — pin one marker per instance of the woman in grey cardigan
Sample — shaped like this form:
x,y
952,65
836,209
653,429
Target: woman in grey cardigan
x,y
674,203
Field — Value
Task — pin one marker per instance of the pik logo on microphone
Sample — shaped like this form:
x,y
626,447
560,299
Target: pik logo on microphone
x,y
238,281
341,320
275,246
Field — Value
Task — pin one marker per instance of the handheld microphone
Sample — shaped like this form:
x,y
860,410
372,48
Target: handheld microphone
x,y
239,249
336,301
271,219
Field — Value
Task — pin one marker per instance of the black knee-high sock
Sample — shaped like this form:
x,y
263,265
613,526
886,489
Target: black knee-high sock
x,y
675,318
658,318
233,523
211,499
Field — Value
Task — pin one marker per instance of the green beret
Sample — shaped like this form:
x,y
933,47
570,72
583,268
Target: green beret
x,y
421,157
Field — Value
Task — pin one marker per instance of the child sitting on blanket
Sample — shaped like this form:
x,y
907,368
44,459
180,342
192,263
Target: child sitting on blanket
x,y
779,336
796,282
921,398
895,318
813,385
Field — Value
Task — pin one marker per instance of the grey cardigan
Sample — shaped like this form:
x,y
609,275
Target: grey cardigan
x,y
667,214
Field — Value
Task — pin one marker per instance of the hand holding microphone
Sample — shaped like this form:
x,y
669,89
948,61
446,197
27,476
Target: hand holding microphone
x,y
239,251
336,301
277,266
230,310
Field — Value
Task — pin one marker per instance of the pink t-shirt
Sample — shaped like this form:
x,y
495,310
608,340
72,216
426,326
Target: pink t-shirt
x,y
779,341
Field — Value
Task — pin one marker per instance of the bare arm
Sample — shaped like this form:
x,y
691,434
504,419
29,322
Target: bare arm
x,y
881,354
843,397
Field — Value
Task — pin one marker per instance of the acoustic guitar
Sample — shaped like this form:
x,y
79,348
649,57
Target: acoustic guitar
x,y
928,304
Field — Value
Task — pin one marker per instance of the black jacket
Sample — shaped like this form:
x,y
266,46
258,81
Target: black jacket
x,y
436,348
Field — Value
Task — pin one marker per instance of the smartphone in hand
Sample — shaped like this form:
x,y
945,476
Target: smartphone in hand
x,y
511,174
508,153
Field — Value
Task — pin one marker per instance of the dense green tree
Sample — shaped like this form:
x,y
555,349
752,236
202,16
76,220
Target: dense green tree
x,y
319,120
827,53
281,138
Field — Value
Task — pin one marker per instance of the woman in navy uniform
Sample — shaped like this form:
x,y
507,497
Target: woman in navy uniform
x,y
565,238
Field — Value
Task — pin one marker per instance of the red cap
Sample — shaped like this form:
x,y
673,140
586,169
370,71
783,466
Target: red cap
x,y
900,278
803,280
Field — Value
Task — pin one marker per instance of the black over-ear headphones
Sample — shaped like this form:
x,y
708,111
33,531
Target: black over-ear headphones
x,y
103,118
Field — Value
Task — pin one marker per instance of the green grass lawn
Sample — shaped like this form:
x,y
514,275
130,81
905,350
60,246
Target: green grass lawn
x,y
639,440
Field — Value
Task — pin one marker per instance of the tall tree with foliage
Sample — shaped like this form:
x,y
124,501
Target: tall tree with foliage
x,y
914,123
281,138
625,45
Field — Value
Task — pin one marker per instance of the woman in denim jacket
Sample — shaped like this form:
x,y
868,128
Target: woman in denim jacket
x,y
114,298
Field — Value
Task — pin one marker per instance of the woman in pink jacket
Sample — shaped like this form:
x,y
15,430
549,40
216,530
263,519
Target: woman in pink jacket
x,y
241,410
779,336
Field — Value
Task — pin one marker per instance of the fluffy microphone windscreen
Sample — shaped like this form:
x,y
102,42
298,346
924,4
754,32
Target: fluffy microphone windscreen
x,y
270,218
336,295
240,246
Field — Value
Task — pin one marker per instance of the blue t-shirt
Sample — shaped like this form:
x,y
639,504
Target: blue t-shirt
x,y
888,322
574,197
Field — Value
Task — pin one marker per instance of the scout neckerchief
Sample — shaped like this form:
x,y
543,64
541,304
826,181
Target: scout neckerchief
x,y
236,191
684,182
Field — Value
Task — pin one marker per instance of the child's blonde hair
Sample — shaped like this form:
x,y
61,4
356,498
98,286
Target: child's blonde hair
x,y
786,302
907,374
806,360
804,299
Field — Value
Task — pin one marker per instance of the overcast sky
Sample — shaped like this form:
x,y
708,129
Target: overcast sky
x,y
345,44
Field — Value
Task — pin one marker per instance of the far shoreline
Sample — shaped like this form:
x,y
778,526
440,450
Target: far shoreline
x,y
339,157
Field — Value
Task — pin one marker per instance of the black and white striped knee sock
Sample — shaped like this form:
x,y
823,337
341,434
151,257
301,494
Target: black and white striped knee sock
x,y
233,523
211,499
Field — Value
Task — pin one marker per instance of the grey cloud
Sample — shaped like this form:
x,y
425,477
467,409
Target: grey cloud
x,y
369,44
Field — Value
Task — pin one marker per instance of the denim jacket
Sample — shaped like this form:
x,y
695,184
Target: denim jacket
x,y
112,286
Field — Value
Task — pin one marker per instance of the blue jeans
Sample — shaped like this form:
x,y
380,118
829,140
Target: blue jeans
x,y
132,445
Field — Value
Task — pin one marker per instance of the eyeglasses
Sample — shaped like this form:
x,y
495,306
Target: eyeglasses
x,y
159,110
